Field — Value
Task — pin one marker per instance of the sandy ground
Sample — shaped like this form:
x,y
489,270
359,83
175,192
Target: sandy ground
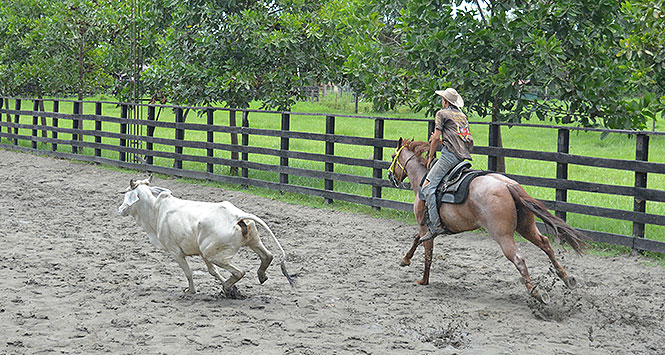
x,y
77,278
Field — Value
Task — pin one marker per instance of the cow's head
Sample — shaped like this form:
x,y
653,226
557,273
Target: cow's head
x,y
141,191
131,197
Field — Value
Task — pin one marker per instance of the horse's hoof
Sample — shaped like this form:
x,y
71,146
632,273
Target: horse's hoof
x,y
405,262
421,282
570,282
541,296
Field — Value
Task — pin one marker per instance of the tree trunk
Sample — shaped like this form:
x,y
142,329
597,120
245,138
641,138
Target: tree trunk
x,y
41,108
234,141
500,160
80,88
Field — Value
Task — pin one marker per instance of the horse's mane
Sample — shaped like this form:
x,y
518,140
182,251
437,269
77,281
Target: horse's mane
x,y
418,148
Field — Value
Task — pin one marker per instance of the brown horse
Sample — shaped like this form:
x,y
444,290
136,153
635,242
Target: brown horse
x,y
497,204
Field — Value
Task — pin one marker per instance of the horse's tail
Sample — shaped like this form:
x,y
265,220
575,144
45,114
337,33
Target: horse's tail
x,y
264,225
561,229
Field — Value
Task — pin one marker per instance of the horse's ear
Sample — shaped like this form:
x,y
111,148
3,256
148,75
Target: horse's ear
x,y
399,143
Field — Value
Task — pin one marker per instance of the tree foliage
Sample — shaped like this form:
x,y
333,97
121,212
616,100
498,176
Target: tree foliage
x,y
597,63
239,52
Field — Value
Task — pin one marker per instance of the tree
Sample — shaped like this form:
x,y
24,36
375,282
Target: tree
x,y
235,53
643,47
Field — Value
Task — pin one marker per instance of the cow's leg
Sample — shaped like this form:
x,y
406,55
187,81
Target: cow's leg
x,y
213,271
266,258
236,274
180,259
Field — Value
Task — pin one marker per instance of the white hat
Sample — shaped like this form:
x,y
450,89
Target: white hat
x,y
451,96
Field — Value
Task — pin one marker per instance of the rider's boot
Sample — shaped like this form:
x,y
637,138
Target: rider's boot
x,y
435,227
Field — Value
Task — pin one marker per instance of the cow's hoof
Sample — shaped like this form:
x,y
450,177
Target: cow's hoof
x,y
189,291
421,282
233,293
262,278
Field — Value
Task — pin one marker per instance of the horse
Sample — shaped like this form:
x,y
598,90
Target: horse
x,y
495,203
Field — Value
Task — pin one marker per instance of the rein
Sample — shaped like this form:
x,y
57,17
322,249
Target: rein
x,y
396,161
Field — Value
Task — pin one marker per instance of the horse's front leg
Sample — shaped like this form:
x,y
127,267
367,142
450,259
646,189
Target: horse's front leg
x,y
419,211
406,260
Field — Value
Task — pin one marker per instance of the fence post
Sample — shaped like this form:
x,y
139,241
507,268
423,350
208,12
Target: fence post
x,y
355,94
211,138
35,108
98,128
16,120
123,132
75,126
244,172
641,154
431,126
330,150
563,144
9,117
493,141
150,132
179,136
284,147
378,156
4,103
234,141
56,109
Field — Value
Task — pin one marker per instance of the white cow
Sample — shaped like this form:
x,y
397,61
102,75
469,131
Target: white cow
x,y
215,231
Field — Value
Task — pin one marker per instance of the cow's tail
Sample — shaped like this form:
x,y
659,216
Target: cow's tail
x,y
264,225
560,228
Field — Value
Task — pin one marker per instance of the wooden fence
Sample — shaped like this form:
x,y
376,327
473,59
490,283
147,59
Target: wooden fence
x,y
67,129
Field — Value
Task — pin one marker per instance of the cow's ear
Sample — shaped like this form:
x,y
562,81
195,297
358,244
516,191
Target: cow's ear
x,y
132,184
131,197
160,192
399,143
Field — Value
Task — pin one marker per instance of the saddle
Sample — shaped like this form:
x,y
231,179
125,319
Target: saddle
x,y
454,187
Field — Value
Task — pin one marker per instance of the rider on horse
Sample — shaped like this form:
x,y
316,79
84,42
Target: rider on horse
x,y
452,131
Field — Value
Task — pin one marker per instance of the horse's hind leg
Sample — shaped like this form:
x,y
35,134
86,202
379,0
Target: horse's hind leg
x,y
507,244
429,249
531,233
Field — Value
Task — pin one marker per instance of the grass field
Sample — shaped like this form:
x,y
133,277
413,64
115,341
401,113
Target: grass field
x,y
617,146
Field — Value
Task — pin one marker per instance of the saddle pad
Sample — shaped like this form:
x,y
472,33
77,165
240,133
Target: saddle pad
x,y
457,192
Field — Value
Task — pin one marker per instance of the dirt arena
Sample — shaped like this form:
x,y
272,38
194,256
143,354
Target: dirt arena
x,y
77,278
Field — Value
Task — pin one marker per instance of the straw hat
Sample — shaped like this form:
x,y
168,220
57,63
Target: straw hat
x,y
451,96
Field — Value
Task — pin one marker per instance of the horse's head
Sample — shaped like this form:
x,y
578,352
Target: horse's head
x,y
397,171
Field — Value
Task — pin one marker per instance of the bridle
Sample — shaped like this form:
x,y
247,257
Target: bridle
x,y
391,170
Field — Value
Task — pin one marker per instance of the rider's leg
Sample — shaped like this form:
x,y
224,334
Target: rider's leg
x,y
446,162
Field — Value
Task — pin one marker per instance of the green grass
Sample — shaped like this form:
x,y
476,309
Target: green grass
x,y
615,146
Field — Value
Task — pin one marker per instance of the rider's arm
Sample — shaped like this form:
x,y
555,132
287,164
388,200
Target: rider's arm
x,y
434,141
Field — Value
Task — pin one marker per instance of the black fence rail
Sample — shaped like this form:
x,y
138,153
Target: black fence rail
x,y
122,141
